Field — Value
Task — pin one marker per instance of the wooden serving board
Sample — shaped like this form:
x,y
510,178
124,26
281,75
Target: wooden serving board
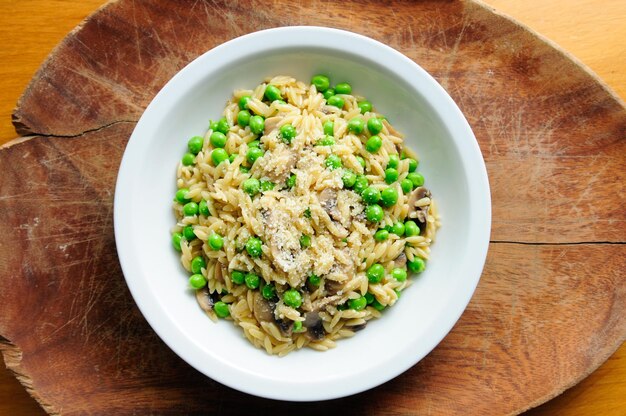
x,y
550,306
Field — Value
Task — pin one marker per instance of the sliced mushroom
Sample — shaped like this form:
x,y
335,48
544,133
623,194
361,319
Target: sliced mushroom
x,y
328,201
313,324
419,213
263,309
333,287
400,261
205,299
285,326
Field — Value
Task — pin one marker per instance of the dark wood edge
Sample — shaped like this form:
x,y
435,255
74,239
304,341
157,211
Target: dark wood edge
x,y
12,356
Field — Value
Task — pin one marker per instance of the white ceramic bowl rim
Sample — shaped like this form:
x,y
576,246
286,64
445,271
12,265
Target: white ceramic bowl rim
x,y
327,40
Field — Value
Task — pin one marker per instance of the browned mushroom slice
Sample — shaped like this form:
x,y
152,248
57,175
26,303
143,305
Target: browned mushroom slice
x,y
419,213
285,326
332,287
322,303
205,299
328,201
400,261
263,310
313,324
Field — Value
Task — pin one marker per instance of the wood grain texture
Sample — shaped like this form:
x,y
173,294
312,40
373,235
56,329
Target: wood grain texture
x,y
503,356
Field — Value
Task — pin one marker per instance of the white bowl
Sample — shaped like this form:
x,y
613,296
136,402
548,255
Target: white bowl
x,y
450,160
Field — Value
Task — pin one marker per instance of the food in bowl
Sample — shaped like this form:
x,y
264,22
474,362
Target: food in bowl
x,y
300,214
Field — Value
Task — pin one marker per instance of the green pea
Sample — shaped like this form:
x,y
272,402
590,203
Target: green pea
x,y
315,280
375,273
364,106
213,125
197,281
297,326
203,208
222,125
176,237
251,186
268,292
333,162
195,144
181,196
244,169
343,88
360,184
188,233
397,292
391,175
361,161
221,309
254,143
288,132
243,102
371,195
377,305
253,154
374,213
190,209
389,196
257,124
291,181
406,185
252,280
267,185
197,264
358,304
292,298
254,247
328,93
399,274
412,165
216,241
305,241
373,144
272,93
307,213
394,162
417,265
374,125
231,158
381,235
411,228
326,141
329,128
243,118
348,178
188,159
369,298
237,277
336,101
416,178
321,82
218,156
398,229
356,125
218,139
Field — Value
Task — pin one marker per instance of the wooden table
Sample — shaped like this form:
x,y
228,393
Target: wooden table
x,y
593,31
